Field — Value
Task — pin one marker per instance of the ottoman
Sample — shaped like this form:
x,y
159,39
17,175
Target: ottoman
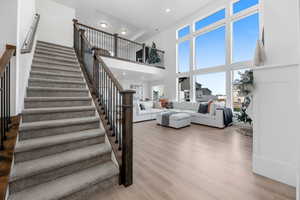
x,y
176,120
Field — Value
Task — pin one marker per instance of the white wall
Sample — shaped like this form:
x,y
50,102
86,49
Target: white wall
x,y
26,12
56,24
127,83
8,35
276,154
281,22
8,20
166,40
275,145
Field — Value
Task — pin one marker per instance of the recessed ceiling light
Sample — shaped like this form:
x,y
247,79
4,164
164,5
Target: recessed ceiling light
x,y
123,32
103,25
168,10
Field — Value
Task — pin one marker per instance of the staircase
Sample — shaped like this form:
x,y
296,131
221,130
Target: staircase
x,y
61,151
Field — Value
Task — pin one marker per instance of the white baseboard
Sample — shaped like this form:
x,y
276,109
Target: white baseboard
x,y
276,170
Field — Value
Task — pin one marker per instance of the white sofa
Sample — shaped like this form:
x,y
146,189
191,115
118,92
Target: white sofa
x,y
215,118
144,115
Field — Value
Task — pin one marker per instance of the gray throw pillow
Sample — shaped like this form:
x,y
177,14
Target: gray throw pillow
x,y
142,107
203,108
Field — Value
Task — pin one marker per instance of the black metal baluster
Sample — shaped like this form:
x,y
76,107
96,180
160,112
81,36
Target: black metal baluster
x,y
5,103
9,117
121,123
111,108
105,94
102,86
118,118
2,129
6,99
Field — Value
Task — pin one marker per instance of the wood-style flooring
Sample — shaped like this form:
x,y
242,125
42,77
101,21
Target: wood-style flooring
x,y
194,163
6,156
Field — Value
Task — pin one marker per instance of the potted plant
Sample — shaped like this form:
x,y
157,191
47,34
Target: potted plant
x,y
245,87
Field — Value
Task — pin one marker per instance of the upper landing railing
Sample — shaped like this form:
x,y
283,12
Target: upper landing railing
x,y
112,45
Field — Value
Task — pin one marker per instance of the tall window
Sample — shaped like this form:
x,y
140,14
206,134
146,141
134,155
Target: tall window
x,y
183,57
241,5
210,86
223,43
184,89
210,48
183,32
210,19
245,35
237,99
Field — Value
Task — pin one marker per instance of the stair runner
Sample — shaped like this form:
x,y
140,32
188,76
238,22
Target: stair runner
x,y
61,151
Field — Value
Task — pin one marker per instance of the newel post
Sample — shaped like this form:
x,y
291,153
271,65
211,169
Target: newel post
x,y
116,45
81,34
144,53
127,140
75,21
96,70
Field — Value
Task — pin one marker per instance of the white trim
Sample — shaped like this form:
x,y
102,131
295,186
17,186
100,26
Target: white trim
x,y
267,67
276,170
245,13
209,28
182,27
208,15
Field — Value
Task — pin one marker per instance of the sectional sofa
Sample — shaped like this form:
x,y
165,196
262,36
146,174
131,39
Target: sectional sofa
x,y
214,118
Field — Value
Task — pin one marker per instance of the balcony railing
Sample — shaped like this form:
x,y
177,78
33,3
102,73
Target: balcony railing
x,y
112,45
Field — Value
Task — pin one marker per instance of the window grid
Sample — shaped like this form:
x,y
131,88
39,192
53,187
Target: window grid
x,y
230,66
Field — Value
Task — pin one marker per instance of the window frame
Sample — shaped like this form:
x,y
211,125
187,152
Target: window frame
x,y
229,66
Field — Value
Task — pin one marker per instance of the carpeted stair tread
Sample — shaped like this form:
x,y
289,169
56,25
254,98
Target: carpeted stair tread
x,y
62,68
57,109
68,185
47,163
56,123
55,74
28,145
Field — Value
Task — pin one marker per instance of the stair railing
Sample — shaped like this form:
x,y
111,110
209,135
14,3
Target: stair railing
x,y
5,96
29,41
114,104
112,45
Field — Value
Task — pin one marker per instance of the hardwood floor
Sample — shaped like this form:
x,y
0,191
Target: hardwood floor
x,y
7,155
194,163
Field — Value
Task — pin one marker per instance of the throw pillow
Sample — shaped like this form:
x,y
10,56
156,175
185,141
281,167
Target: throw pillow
x,y
203,107
170,105
212,110
142,107
210,102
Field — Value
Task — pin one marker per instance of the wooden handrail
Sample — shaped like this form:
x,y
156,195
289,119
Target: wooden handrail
x,y
29,41
6,57
114,104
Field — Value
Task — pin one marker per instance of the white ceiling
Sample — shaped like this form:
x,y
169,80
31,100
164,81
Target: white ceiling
x,y
139,17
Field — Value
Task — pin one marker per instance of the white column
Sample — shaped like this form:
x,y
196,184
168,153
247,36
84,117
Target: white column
x,y
192,67
228,38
